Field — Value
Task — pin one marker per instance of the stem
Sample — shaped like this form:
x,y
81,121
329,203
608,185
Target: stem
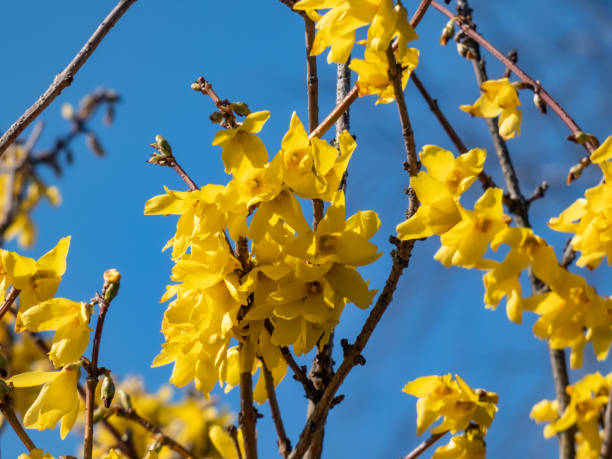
x,y
182,174
10,416
64,79
416,452
546,97
248,417
606,444
8,301
284,444
132,415
343,106
352,356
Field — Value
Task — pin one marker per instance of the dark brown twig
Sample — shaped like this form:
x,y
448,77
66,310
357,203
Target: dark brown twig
x,y
162,438
284,444
233,433
8,301
10,416
248,416
64,79
416,452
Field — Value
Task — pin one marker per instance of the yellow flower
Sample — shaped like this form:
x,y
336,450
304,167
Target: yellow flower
x,y
58,399
498,98
70,321
242,143
466,242
37,280
545,411
454,401
603,152
469,445
590,218
588,397
224,443
390,21
373,71
36,454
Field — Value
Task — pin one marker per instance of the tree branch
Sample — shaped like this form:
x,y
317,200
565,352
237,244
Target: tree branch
x,y
8,301
64,79
10,416
284,444
247,417
416,452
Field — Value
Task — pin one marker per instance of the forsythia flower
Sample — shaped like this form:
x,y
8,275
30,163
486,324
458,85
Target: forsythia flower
x,y
57,400
590,217
224,443
36,454
452,400
469,445
242,144
373,71
498,98
37,280
588,397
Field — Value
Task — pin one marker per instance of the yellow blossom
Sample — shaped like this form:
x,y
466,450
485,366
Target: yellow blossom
x,y
224,443
58,399
36,454
470,445
498,98
241,143
603,152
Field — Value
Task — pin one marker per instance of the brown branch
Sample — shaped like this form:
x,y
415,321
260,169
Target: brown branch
x,y
343,106
162,438
284,444
248,417
519,207
182,174
64,79
10,416
233,433
606,444
416,452
352,356
546,97
8,301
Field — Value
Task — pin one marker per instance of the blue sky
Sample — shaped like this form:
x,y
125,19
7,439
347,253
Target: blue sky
x,y
254,52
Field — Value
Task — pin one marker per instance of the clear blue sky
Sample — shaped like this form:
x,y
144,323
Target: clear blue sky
x,y
254,51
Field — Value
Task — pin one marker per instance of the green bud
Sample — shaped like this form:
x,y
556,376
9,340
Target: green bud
x,y
107,391
240,108
162,145
124,400
110,292
216,117
99,415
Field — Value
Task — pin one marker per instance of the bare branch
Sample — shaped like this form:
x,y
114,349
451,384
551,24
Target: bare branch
x,y
416,452
284,444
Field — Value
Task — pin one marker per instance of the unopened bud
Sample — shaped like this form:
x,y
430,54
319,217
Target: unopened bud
x,y
216,117
448,32
112,280
539,102
5,389
465,51
124,400
107,391
162,145
574,173
518,85
67,111
196,86
3,365
582,137
94,144
99,415
112,96
88,103
240,108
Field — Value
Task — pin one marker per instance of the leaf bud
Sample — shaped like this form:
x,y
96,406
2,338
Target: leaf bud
x,y
582,137
240,108
539,102
112,280
5,389
216,117
465,51
448,32
107,391
3,365
162,145
88,103
196,86
67,111
112,96
99,415
124,400
94,145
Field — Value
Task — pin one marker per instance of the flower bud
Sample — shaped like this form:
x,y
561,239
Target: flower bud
x,y
162,145
111,95
124,400
99,414
196,86
448,32
216,117
94,145
88,103
107,391
240,108
67,111
112,280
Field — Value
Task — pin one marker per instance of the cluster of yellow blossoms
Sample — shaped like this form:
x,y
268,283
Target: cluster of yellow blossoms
x,y
386,21
570,314
460,408
283,283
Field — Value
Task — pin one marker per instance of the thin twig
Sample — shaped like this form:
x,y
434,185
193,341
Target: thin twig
x,y
416,452
182,174
606,444
10,416
546,97
284,444
64,79
233,433
162,438
343,106
8,301
248,417
352,356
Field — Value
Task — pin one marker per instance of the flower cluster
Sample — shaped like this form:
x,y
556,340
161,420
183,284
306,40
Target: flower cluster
x,y
460,407
282,283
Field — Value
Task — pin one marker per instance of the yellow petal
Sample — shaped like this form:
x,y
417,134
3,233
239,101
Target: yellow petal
x,y
604,152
